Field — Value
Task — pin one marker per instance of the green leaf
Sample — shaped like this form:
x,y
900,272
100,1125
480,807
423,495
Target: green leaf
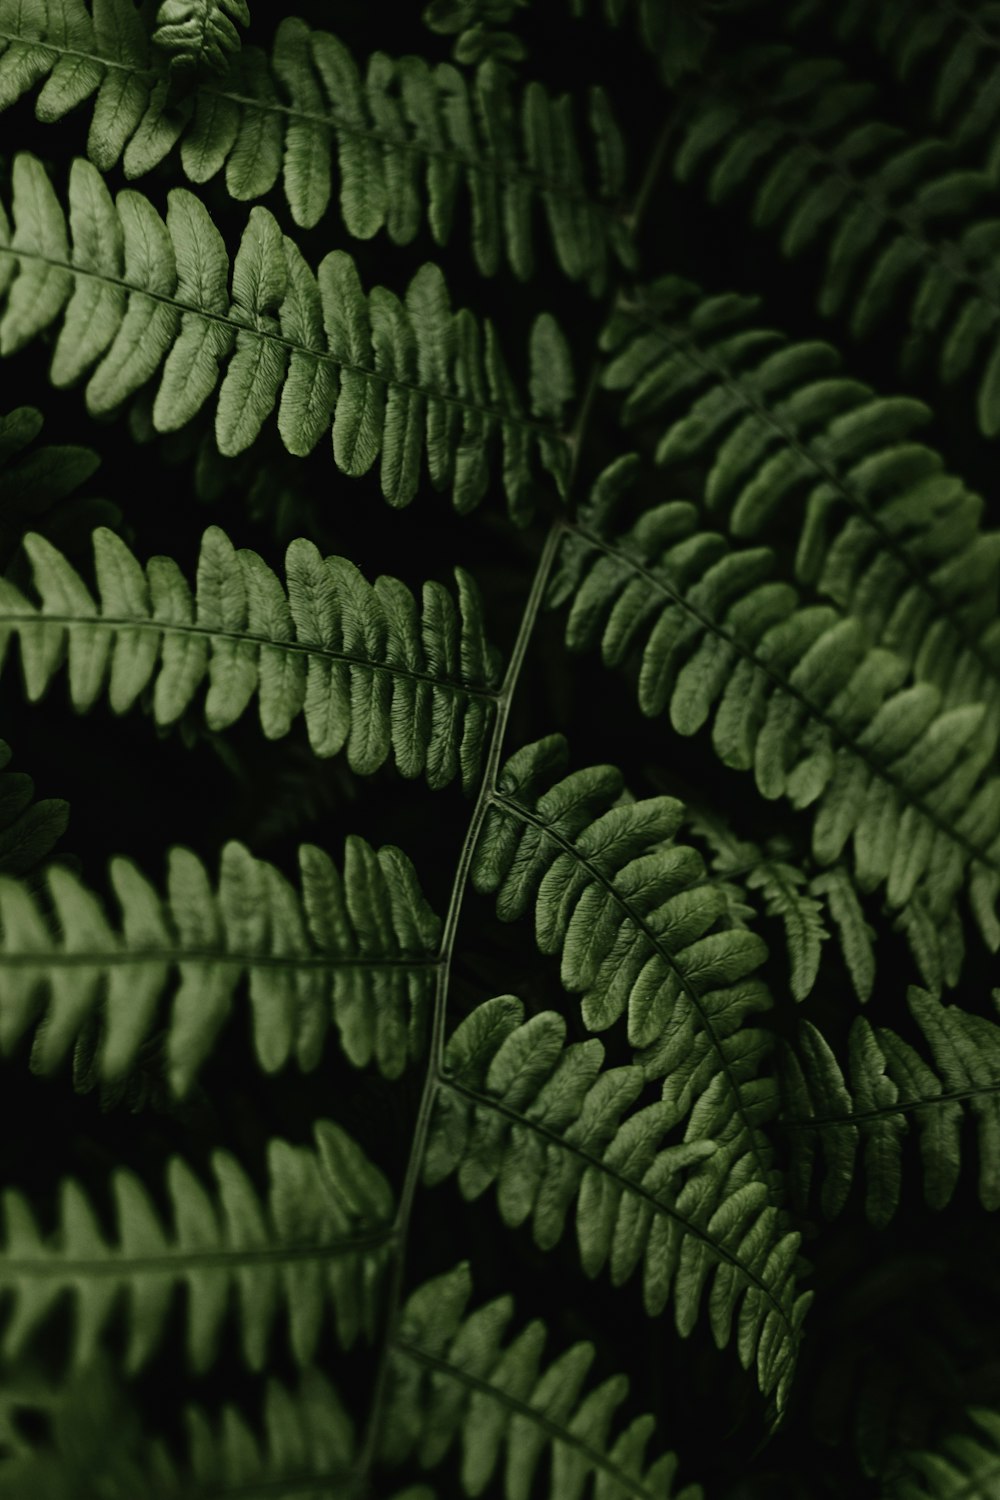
x,y
328,648
315,1246
558,1133
454,1377
355,947
887,1084
405,134
159,295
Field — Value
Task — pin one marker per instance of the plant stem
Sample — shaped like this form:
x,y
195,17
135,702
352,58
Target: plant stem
x,y
487,787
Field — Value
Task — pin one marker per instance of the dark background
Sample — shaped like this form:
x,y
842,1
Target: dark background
x,y
912,1308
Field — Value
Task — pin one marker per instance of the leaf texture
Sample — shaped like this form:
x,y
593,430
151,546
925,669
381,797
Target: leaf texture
x,y
796,452
410,139
798,695
453,1377
888,1085
555,1131
134,297
372,673
355,948
200,36
810,910
317,1245
641,933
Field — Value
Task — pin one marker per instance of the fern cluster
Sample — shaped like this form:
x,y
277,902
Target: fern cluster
x,y
434,1065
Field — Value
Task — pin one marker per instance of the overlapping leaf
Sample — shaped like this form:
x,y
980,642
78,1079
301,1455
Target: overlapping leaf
x,y
641,932
407,137
316,1247
796,452
888,1085
134,298
198,36
799,695
628,910
373,673
556,1132
453,1377
354,948
811,910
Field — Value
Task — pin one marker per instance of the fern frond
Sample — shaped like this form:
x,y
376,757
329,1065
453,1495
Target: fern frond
x,y
798,695
29,830
407,135
888,1084
795,451
640,931
887,204
355,949
301,1444
626,908
453,1377
963,1467
373,673
136,297
542,1121
200,36
318,1245
801,904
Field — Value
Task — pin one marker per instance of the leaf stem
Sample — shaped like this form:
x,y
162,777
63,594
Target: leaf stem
x,y
487,789
450,932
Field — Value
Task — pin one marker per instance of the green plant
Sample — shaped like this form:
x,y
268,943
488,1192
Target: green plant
x,y
455,1084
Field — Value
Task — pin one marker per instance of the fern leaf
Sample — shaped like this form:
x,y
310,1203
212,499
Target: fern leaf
x,y
626,907
639,930
200,36
134,294
371,673
356,948
301,1443
452,1377
797,695
856,936
406,134
889,1084
964,1467
542,1121
795,450
29,830
319,1242
790,123
797,902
